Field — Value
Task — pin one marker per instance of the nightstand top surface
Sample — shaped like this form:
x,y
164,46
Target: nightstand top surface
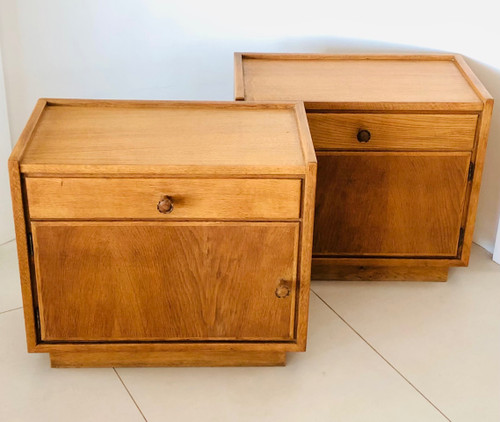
x,y
166,136
438,81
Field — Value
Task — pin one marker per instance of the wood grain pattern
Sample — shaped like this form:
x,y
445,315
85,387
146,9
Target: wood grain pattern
x,y
177,359
20,226
480,153
389,204
418,103
305,134
164,281
306,235
169,346
99,137
320,56
362,79
23,254
99,198
239,83
138,292
378,273
385,262
393,131
473,80
305,256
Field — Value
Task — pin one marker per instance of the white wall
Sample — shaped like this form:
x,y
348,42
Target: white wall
x,y
154,49
496,252
6,222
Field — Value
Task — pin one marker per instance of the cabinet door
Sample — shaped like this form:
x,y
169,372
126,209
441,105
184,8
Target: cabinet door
x,y
392,204
140,281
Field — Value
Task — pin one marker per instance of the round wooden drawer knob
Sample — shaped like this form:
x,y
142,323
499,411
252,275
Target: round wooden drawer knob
x,y
363,135
283,289
166,205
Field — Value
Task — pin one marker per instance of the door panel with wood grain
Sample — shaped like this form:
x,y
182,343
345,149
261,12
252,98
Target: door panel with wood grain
x,y
389,203
113,281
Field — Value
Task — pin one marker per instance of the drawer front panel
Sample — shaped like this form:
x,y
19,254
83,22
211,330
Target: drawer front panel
x,y
118,281
389,204
393,131
89,198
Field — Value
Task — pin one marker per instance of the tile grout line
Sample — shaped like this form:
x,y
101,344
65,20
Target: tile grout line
x,y
7,242
382,357
130,394
10,310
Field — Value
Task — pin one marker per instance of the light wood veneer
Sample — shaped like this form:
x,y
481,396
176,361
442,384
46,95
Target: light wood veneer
x,y
401,141
441,132
164,233
231,198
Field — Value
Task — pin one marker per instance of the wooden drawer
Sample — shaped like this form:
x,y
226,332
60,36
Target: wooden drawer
x,y
127,198
154,281
393,131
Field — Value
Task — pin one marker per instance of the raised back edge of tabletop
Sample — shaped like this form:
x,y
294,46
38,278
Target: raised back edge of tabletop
x,y
297,107
459,61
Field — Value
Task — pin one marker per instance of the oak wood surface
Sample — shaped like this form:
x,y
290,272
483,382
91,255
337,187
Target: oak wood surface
x,y
473,196
84,271
23,254
389,204
356,79
20,218
363,261
168,346
122,198
393,131
165,281
177,359
306,229
472,78
323,56
479,154
378,273
239,84
306,241
308,149
439,90
178,137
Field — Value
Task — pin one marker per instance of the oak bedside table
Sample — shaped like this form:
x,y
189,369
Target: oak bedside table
x,y
400,142
164,233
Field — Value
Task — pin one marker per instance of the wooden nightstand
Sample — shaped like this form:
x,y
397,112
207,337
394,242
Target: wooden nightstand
x,y
400,142
164,233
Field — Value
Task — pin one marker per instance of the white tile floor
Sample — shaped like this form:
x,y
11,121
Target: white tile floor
x,y
377,352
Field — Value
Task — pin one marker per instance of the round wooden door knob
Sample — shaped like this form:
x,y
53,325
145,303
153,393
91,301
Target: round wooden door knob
x,y
283,289
363,135
166,205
